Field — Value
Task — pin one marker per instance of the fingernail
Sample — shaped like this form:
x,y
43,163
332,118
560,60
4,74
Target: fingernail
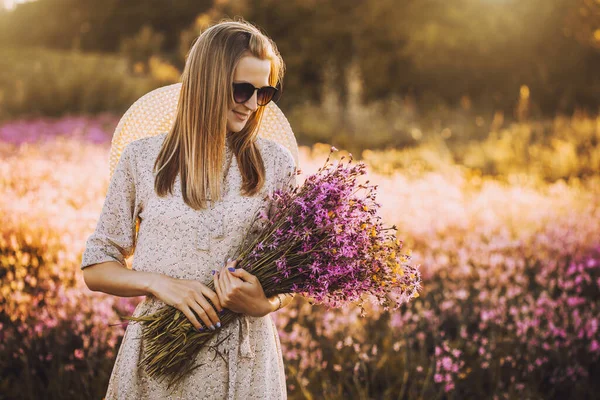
x,y
231,269
201,329
229,259
212,328
222,311
218,324
213,271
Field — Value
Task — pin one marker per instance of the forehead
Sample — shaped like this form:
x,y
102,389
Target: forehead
x,y
253,70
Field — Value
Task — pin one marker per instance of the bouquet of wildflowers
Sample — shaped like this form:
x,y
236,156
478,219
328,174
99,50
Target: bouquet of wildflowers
x,y
323,240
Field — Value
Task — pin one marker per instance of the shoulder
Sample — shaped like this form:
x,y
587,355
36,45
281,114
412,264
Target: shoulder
x,y
140,149
148,143
275,151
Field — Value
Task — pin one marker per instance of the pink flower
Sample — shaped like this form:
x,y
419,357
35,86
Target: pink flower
x,y
78,354
447,363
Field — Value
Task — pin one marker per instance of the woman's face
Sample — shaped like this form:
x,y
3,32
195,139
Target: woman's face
x,y
255,71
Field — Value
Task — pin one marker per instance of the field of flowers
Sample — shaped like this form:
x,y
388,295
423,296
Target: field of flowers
x,y
510,265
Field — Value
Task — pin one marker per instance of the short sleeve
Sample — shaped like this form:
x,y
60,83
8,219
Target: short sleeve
x,y
114,237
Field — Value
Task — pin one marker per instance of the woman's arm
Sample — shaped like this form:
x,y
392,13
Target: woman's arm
x,y
114,239
279,301
113,278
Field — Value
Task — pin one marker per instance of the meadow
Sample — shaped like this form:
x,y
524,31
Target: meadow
x,y
506,231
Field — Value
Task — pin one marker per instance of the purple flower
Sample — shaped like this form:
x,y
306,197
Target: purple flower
x,y
325,239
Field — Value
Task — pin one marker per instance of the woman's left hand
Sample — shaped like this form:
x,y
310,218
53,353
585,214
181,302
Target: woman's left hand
x,y
241,292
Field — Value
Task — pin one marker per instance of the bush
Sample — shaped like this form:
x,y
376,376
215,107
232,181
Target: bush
x,y
40,82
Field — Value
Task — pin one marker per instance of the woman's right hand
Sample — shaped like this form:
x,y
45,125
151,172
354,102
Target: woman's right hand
x,y
187,295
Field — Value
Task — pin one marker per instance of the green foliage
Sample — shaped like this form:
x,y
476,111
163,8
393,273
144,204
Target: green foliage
x,y
139,48
36,82
426,49
561,148
91,25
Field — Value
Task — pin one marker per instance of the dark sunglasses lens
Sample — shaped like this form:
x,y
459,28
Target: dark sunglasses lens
x,y
265,95
242,92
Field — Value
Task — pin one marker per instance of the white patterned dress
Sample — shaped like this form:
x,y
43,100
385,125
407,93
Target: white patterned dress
x,y
181,242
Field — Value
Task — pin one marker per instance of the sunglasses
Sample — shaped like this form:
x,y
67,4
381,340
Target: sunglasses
x,y
243,91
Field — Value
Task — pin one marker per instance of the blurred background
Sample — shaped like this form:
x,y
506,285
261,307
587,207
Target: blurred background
x,y
479,120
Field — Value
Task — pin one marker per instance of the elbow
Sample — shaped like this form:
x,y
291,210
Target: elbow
x,y
97,276
88,278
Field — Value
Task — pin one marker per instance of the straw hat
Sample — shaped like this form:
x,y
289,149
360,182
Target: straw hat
x,y
154,113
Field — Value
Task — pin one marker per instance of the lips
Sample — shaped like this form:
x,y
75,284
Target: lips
x,y
241,114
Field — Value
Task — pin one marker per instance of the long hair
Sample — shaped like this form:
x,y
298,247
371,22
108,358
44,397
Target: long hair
x,y
195,145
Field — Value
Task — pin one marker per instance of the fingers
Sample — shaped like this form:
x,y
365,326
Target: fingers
x,y
230,263
187,304
230,269
206,312
211,295
244,275
218,289
225,282
234,281
201,314
224,294
218,286
190,315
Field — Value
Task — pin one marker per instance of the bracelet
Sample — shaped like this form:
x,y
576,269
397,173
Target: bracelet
x,y
278,298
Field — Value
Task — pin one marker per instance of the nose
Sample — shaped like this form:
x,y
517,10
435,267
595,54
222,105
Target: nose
x,y
252,102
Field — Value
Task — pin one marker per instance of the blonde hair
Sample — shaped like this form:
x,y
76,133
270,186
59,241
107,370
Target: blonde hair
x,y
195,145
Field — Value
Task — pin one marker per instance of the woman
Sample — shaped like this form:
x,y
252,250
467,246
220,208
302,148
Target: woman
x,y
196,189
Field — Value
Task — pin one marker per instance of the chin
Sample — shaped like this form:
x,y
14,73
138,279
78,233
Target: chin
x,y
236,127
